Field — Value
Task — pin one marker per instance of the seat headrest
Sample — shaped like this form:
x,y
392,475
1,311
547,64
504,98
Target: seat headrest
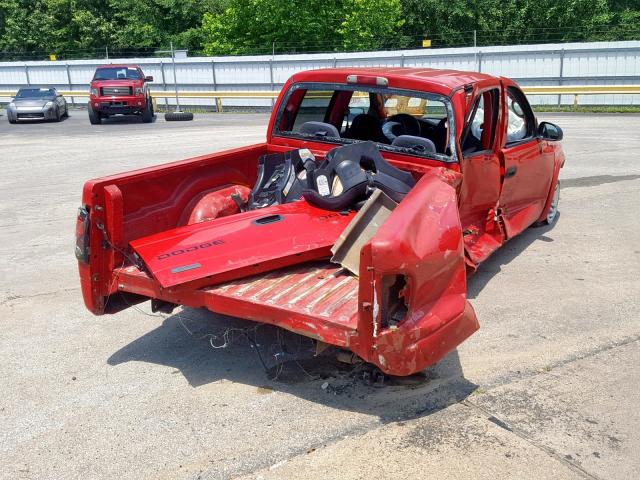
x,y
416,143
319,128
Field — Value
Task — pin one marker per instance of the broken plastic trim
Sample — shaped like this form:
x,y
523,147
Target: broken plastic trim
x,y
82,235
393,306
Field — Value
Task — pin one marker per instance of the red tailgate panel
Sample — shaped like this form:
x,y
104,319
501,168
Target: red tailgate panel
x,y
273,236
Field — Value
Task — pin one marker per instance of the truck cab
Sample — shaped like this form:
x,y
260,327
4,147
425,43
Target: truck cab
x,y
120,90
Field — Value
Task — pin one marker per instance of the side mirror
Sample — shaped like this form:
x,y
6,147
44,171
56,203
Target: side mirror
x,y
550,131
148,78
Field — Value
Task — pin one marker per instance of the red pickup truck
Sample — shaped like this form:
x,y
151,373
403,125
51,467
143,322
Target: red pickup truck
x,y
120,90
457,159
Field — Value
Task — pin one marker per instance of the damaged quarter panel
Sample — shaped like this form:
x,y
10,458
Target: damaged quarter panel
x,y
420,249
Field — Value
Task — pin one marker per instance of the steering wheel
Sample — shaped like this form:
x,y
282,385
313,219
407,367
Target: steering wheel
x,y
401,124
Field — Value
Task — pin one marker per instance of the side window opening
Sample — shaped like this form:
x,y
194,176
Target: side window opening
x,y
359,104
313,108
481,128
520,120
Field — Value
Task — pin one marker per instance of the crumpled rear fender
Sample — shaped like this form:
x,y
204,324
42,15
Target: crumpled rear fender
x,y
420,248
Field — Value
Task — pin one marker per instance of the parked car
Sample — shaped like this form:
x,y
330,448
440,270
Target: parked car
x,y
120,90
465,163
37,104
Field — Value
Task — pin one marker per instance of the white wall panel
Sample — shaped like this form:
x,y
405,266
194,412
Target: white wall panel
x,y
599,63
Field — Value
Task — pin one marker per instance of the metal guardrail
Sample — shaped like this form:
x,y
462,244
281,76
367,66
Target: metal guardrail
x,y
575,90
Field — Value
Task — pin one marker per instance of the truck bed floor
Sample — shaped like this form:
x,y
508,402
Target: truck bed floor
x,y
324,294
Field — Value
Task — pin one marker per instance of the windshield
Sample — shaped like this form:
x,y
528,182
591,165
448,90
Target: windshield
x,y
117,73
36,93
417,123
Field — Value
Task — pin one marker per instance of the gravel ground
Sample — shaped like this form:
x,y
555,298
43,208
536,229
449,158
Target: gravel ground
x,y
546,389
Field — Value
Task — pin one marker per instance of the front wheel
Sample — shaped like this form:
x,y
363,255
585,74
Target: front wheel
x,y
94,117
147,113
58,116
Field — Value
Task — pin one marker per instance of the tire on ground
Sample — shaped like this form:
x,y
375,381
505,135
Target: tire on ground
x,y
94,117
552,214
178,116
147,113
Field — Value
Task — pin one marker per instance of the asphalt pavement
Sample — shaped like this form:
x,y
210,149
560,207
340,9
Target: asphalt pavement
x,y
547,388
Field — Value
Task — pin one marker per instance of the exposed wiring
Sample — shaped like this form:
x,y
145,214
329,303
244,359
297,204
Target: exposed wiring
x,y
105,236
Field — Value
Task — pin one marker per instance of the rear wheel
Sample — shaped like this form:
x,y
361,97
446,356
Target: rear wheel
x,y
178,116
94,117
552,214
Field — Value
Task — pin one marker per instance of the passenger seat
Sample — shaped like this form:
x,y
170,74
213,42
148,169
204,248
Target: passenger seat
x,y
319,128
419,144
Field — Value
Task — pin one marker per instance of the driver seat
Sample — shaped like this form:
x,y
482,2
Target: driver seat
x,y
366,127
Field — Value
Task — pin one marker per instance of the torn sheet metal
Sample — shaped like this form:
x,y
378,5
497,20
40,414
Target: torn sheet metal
x,y
346,250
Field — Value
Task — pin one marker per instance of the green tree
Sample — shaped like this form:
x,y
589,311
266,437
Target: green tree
x,y
505,21
253,26
370,24
83,28
152,23
626,19
86,27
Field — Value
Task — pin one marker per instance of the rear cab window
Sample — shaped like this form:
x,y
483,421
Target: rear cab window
x,y
402,121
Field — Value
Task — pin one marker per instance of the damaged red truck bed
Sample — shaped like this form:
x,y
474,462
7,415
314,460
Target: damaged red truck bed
x,y
481,170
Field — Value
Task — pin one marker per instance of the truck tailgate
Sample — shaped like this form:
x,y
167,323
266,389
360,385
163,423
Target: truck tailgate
x,y
317,299
238,245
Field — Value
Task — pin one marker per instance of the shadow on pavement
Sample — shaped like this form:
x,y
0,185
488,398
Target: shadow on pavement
x,y
506,254
205,348
192,340
120,119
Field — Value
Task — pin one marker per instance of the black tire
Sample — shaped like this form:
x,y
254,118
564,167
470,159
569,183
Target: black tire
x,y
147,113
58,116
94,117
66,110
178,116
552,214
12,121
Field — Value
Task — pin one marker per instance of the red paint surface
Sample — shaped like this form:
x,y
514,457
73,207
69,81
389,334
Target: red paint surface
x,y
233,243
218,203
455,217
